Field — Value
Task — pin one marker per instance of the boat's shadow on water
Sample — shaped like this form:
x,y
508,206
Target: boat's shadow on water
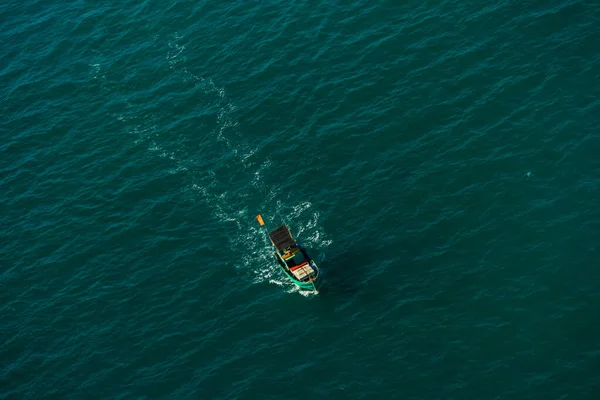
x,y
345,274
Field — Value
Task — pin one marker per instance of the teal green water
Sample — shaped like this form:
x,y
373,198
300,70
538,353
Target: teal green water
x,y
440,160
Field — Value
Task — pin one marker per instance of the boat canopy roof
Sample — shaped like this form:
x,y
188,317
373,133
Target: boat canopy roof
x,y
282,238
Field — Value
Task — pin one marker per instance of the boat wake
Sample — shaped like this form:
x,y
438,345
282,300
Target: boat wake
x,y
289,287
207,178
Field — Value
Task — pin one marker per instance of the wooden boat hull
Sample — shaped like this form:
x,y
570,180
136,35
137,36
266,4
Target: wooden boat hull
x,y
296,264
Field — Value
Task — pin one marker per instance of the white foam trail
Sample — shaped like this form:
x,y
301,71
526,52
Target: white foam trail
x,y
205,184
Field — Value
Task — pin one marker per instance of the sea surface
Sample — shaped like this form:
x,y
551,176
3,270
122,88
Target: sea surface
x,y
439,159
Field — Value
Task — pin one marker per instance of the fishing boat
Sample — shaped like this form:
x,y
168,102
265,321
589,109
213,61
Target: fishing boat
x,y
292,257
